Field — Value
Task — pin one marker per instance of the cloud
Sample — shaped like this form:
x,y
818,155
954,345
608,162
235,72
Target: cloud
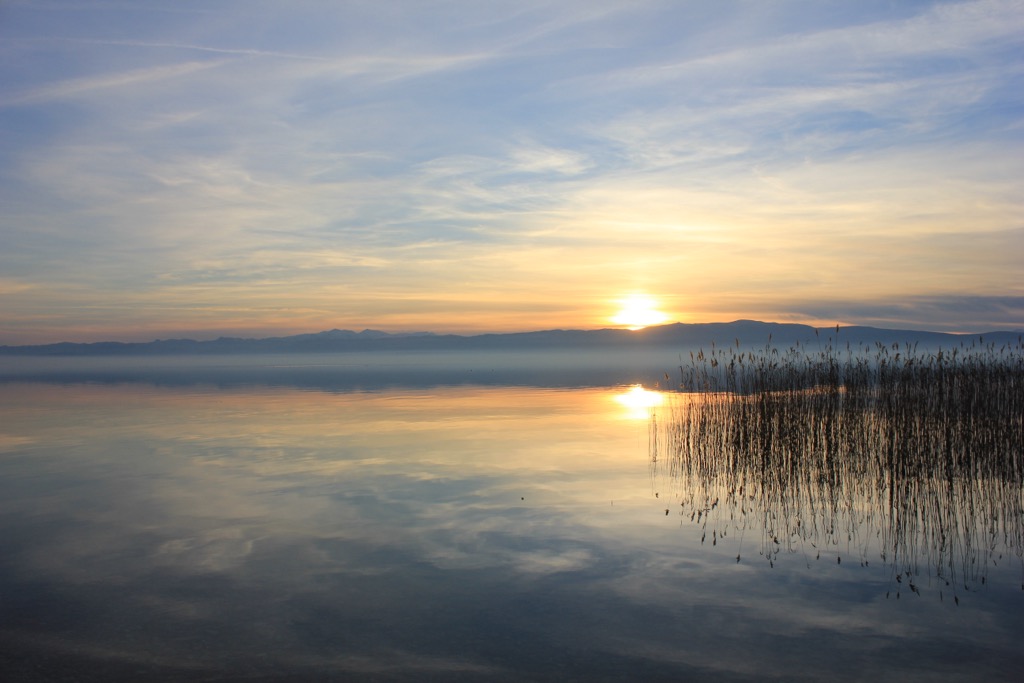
x,y
76,87
243,52
944,313
682,150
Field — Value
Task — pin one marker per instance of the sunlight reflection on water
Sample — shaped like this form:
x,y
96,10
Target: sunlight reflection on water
x,y
638,401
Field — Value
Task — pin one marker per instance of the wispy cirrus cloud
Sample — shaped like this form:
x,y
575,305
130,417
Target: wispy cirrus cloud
x,y
96,84
521,152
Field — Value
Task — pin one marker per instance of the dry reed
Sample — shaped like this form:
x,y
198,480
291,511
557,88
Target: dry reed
x,y
916,458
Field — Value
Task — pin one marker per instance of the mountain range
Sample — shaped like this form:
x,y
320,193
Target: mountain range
x,y
679,335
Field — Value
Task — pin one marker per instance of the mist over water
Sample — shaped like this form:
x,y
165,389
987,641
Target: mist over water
x,y
361,370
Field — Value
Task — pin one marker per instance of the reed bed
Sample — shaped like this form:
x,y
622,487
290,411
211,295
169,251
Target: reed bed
x,y
914,458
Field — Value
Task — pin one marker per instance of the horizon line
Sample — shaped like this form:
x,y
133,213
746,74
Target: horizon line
x,y
412,333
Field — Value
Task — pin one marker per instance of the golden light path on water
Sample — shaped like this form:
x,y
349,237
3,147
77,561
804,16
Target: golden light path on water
x,y
638,401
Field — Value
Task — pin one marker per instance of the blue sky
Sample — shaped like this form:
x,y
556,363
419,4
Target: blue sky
x,y
256,168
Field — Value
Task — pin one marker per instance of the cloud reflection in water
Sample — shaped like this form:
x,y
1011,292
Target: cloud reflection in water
x,y
477,532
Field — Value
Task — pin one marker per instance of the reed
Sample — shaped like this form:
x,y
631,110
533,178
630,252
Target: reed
x,y
914,458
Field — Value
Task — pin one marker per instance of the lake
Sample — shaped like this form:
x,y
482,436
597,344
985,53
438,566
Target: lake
x,y
440,517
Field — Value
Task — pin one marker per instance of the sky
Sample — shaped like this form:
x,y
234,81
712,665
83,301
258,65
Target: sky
x,y
250,168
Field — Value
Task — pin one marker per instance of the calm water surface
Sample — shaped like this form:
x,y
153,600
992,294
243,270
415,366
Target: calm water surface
x,y
282,529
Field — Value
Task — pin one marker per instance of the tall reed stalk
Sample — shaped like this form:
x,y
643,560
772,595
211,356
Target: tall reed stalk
x,y
916,458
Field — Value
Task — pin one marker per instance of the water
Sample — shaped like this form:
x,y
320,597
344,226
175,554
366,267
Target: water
x,y
414,518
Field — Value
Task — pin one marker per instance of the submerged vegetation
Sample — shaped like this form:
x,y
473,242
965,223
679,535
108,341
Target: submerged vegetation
x,y
912,457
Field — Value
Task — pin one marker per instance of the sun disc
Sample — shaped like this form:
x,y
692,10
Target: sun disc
x,y
638,312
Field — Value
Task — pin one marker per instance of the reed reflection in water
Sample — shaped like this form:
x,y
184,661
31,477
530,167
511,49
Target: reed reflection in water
x,y
915,459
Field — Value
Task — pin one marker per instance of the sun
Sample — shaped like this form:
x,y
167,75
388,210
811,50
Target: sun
x,y
637,312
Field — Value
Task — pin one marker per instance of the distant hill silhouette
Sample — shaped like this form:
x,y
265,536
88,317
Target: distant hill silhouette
x,y
678,335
